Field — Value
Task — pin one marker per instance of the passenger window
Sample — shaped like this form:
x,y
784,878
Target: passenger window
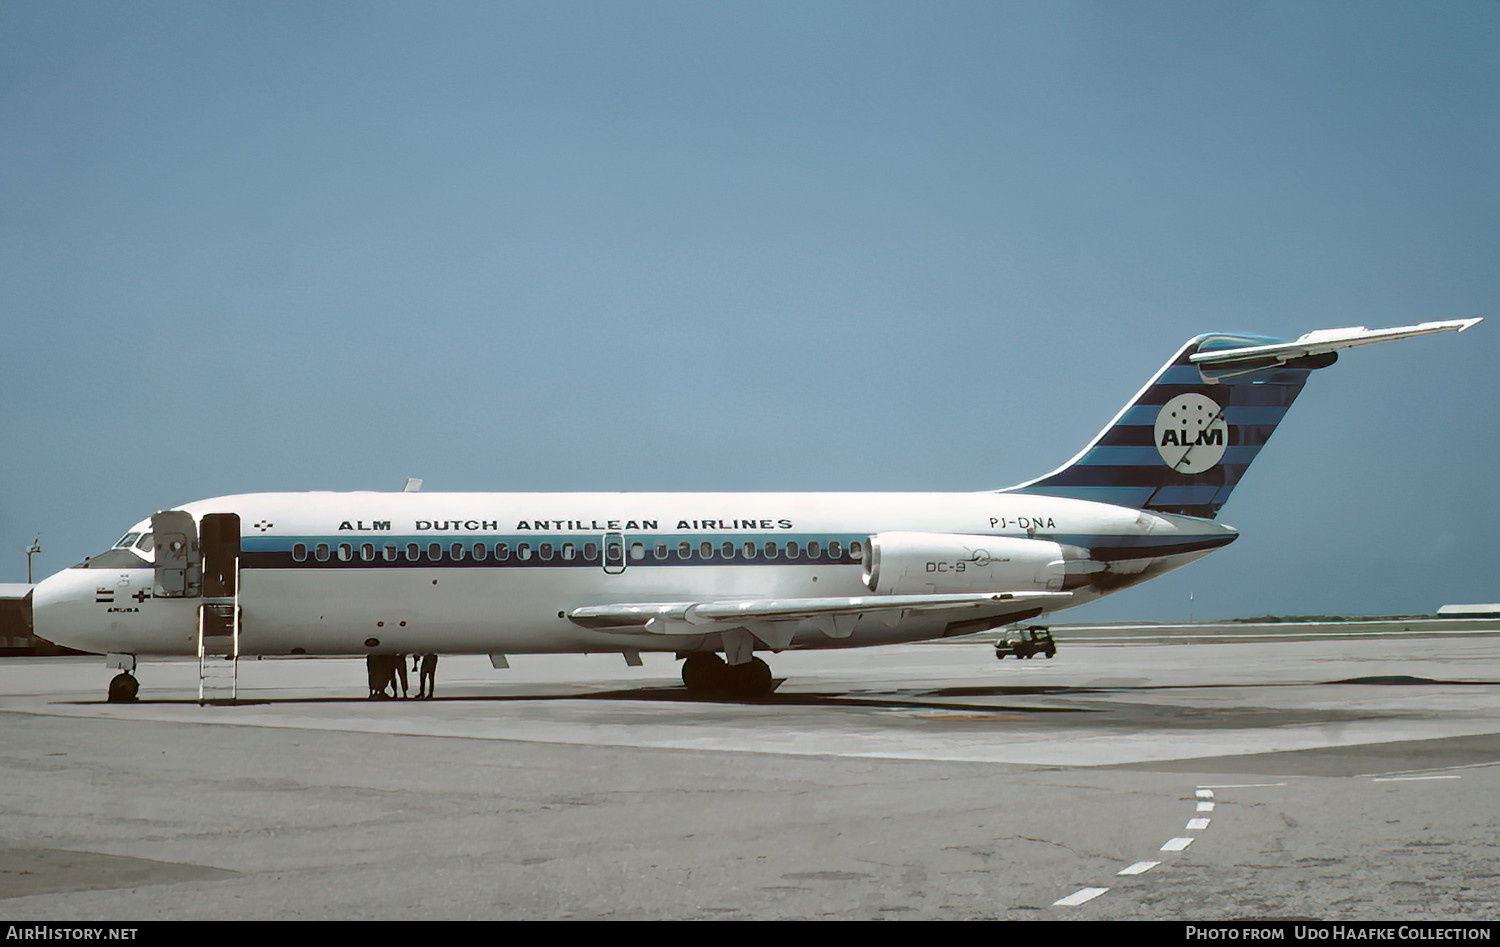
x,y
660,552
367,552
749,550
480,551
814,550
435,552
346,552
637,551
322,552
684,550
388,552
456,550
791,550
413,552
770,550
545,551
706,550
502,551
590,552
523,551
726,549
857,549
299,552
569,552
835,550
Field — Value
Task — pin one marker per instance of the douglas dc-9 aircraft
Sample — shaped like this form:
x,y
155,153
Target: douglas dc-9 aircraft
x,y
697,574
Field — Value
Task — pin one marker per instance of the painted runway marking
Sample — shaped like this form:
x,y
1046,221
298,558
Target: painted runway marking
x,y
1204,797
1409,779
1239,786
1078,897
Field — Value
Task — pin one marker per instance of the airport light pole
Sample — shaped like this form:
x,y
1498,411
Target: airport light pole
x,y
36,547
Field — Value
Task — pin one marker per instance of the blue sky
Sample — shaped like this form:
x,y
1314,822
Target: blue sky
x,y
750,246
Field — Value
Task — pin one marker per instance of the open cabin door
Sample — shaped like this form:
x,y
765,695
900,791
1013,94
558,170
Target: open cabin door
x,y
179,571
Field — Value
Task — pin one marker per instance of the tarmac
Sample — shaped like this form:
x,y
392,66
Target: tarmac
x,y
1321,778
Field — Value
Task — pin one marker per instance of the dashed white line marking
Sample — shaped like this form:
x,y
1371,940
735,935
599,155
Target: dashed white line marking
x,y
1397,779
1205,794
1205,807
1196,825
1177,845
1079,897
1139,868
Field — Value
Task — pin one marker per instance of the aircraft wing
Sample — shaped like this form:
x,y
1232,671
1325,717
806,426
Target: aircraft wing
x,y
1319,342
776,620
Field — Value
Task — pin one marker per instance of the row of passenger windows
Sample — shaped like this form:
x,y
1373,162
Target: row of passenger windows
x,y
587,552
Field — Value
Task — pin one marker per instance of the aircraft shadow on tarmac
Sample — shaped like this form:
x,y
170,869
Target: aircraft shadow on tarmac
x,y
926,699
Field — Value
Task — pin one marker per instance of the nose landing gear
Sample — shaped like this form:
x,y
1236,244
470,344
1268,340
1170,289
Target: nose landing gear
x,y
123,689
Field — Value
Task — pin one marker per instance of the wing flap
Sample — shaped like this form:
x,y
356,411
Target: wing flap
x,y
836,614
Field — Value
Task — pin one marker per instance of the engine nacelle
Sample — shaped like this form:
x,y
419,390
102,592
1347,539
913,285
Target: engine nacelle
x,y
914,563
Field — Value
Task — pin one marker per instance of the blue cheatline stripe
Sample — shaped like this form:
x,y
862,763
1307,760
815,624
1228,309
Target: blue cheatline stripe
x,y
281,551
1187,494
276,552
1081,475
1149,456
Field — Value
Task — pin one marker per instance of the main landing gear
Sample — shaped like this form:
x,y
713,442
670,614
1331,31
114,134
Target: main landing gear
x,y
705,674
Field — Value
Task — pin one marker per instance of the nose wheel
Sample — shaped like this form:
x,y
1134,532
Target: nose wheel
x,y
123,689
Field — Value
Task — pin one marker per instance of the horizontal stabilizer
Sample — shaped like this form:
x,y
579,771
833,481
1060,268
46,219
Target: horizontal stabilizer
x,y
661,615
1320,342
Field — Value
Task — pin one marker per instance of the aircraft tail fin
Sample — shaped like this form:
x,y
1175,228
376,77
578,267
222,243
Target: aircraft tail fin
x,y
1182,444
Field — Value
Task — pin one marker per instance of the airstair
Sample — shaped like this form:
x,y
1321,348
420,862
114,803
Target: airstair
x,y
218,651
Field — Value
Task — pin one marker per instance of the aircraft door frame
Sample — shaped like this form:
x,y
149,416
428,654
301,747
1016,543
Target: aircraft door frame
x,y
219,540
612,553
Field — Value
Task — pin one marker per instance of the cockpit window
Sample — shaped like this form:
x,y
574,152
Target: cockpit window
x,y
131,551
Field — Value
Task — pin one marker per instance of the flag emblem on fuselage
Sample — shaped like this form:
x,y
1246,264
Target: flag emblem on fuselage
x,y
1191,433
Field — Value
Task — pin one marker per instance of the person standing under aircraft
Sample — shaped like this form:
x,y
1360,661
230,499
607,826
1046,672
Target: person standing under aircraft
x,y
429,675
377,675
398,670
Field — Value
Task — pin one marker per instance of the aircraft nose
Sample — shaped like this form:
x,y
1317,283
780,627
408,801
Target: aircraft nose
x,y
15,615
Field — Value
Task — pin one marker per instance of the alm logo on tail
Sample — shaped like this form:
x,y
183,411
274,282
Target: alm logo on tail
x,y
1191,433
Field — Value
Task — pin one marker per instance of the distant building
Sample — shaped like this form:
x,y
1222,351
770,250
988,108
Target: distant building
x,y
1470,611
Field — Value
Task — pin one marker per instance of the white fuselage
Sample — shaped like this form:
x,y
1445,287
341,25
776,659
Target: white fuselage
x,y
479,573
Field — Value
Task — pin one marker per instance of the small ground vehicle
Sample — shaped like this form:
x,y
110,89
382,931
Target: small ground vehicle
x,y
1025,642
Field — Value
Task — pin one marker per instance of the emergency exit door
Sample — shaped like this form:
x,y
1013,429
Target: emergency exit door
x,y
614,553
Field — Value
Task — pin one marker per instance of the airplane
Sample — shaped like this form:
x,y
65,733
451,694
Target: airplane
x,y
713,578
